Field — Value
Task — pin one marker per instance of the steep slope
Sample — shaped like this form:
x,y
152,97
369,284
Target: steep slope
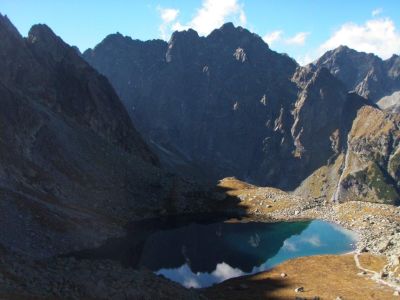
x,y
368,169
224,104
202,103
367,74
73,169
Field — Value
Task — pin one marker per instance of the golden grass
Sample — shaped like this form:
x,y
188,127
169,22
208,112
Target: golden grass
x,y
254,199
327,277
375,125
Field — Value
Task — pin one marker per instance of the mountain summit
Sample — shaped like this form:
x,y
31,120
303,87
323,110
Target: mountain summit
x,y
367,74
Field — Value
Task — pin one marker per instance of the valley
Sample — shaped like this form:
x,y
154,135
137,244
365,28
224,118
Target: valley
x,y
189,169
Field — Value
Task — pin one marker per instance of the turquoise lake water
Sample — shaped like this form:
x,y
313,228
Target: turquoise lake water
x,y
200,255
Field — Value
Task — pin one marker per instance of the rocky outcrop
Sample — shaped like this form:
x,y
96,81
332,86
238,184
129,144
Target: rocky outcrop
x,y
323,115
370,171
390,103
367,168
367,74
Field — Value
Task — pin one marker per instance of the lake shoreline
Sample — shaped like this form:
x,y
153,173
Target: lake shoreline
x,y
377,225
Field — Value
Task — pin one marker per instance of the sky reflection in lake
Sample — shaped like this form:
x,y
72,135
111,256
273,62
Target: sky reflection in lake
x,y
200,255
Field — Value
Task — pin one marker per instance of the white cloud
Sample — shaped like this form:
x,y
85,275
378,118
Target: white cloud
x,y
212,14
378,36
276,36
273,37
313,240
167,15
242,17
377,12
305,58
188,278
298,39
289,246
223,271
179,27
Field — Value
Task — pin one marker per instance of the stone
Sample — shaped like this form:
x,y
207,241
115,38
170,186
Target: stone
x,y
299,289
362,273
383,275
283,275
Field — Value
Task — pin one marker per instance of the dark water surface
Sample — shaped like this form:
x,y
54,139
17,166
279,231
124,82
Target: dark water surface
x,y
207,251
199,255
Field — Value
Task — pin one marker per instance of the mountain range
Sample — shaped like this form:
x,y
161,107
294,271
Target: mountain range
x,y
137,129
228,105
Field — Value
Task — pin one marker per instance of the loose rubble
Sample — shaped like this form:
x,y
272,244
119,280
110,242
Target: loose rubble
x,y
377,226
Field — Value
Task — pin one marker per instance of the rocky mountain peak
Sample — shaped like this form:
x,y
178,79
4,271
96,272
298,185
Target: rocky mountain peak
x,y
6,25
11,39
42,38
235,37
228,29
182,45
116,39
365,73
228,26
184,35
393,65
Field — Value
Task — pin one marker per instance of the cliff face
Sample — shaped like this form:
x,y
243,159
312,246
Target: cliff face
x,y
73,169
368,167
371,168
367,74
226,104
205,105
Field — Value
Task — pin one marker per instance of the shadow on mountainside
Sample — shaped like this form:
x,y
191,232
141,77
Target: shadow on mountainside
x,y
219,205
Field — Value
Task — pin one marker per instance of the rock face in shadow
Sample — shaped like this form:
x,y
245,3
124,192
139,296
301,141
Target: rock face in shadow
x,y
205,105
73,169
366,74
225,104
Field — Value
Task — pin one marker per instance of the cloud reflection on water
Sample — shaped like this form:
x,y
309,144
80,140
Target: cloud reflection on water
x,y
318,238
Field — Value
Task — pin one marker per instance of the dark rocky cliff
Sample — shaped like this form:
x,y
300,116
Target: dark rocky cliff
x,y
226,104
73,169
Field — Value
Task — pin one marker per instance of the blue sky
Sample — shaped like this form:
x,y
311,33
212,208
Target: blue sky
x,y
302,28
